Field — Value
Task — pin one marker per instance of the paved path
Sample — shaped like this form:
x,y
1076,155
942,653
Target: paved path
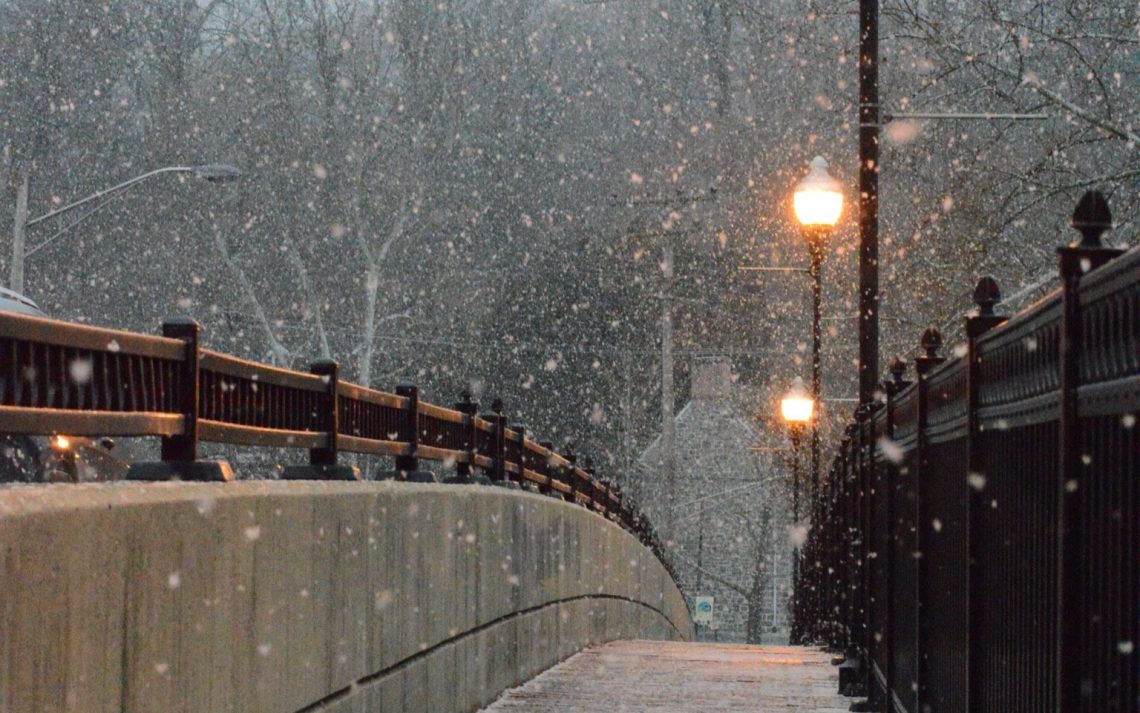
x,y
636,676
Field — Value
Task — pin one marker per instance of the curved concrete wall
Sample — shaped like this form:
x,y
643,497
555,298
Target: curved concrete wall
x,y
294,596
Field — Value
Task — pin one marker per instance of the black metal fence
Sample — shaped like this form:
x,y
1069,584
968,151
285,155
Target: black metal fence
x,y
977,547
63,378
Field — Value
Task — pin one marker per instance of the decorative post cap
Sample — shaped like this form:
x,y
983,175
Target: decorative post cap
x,y
986,295
897,369
931,341
183,321
1091,217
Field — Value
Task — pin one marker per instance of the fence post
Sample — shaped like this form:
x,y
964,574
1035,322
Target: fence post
x,y
572,477
465,472
499,472
323,461
931,342
180,452
832,543
986,296
892,389
855,671
493,473
408,466
846,536
547,470
521,430
1092,218
824,533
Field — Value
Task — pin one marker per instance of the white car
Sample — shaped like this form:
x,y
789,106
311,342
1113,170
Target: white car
x,y
15,302
60,458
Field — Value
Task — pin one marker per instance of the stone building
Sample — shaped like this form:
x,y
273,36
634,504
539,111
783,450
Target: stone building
x,y
728,528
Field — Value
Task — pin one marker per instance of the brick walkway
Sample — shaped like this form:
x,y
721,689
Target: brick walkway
x,y
636,676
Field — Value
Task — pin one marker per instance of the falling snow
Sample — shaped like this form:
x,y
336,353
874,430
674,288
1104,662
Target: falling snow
x,y
551,204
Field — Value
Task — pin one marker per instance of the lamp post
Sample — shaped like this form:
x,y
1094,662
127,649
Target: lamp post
x,y
818,201
214,173
797,409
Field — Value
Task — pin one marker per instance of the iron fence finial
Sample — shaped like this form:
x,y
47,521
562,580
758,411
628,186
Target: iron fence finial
x,y
986,295
1092,217
931,342
897,369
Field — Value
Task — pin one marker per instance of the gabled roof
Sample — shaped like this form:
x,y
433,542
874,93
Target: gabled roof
x,y
718,422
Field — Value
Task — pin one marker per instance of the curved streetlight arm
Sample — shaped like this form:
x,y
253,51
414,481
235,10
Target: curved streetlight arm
x,y
983,116
63,231
113,189
211,172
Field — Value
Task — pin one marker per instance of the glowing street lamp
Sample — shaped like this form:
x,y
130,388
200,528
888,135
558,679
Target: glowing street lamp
x,y
797,407
818,202
798,410
818,198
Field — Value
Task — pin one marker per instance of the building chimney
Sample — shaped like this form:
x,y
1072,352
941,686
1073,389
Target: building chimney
x,y
711,380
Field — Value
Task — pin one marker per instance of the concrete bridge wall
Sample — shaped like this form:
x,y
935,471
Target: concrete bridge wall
x,y
275,596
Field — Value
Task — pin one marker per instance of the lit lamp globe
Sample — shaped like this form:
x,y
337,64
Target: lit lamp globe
x,y
818,198
797,408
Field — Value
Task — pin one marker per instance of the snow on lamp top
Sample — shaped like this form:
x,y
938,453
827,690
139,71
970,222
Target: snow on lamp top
x,y
818,198
797,406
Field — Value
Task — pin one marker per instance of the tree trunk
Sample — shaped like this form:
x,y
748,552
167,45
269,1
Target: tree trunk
x,y
371,288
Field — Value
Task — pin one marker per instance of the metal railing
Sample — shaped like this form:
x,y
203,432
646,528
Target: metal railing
x,y
63,378
977,544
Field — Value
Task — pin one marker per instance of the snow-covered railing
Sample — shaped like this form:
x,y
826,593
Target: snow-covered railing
x,y
975,547
63,378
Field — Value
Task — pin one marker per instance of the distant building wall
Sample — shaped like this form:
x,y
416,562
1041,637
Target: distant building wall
x,y
731,513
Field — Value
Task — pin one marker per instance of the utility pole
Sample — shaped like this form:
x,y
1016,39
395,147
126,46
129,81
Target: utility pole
x,y
626,414
668,424
16,269
700,558
868,198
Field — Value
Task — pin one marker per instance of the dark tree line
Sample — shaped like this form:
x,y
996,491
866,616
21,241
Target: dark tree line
x,y
476,193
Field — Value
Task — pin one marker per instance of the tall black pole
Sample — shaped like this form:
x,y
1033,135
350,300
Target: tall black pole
x,y
796,634
816,246
868,198
796,474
